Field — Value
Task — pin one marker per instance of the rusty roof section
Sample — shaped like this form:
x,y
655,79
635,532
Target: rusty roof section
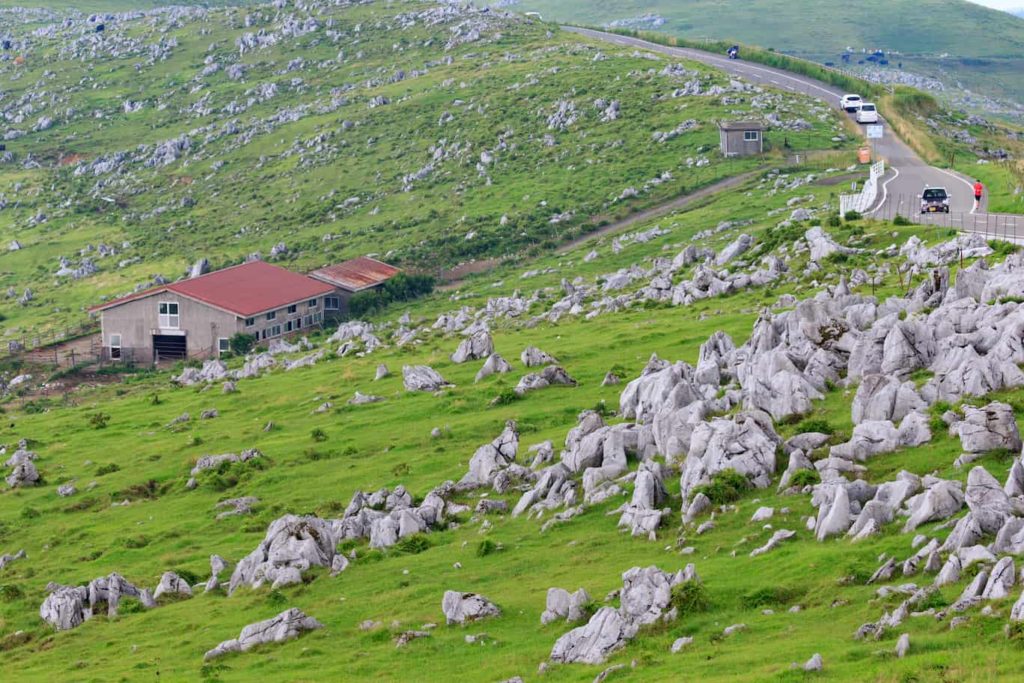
x,y
245,290
356,274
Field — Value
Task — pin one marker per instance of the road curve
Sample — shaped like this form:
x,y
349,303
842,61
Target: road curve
x,y
909,173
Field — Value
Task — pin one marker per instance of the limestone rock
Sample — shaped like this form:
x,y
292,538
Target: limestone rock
x,y
171,583
460,608
563,605
533,357
494,364
285,626
988,428
422,378
479,345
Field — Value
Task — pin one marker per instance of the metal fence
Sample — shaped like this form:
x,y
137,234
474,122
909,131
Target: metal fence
x,y
992,226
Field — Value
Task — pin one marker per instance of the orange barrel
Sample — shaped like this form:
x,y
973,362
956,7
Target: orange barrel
x,y
864,155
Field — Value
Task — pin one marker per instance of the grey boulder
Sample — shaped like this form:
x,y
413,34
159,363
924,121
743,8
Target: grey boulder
x,y
285,626
460,608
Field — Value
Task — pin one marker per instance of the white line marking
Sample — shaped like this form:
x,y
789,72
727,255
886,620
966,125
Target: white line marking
x,y
885,191
974,209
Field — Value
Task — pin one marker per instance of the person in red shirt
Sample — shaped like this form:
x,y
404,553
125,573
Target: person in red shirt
x,y
978,189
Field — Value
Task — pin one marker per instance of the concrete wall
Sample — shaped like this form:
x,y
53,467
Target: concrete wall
x,y
137,321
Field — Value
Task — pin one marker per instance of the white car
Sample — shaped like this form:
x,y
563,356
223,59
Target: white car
x,y
867,113
850,103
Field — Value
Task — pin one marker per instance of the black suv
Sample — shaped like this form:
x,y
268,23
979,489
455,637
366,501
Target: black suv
x,y
934,200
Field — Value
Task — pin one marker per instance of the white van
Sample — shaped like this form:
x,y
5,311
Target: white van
x,y
867,113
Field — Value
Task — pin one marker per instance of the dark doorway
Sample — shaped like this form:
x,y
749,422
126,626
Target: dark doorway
x,y
169,347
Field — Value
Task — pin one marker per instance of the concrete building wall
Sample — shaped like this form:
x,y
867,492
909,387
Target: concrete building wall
x,y
202,325
137,321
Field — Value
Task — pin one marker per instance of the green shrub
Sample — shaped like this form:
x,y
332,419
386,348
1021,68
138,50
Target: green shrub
x,y
402,287
815,424
109,468
135,542
803,478
725,487
771,596
837,257
241,343
488,547
852,215
834,220
9,592
318,435
901,220
691,597
99,420
412,545
30,513
507,396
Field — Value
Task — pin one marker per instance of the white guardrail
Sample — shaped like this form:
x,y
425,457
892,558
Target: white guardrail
x,y
865,199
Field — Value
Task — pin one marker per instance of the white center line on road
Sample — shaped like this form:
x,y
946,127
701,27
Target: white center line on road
x,y
885,191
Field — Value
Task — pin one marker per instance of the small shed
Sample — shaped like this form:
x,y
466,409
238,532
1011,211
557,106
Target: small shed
x,y
741,138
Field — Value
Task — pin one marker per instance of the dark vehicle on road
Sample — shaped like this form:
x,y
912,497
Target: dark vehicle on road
x,y
734,52
934,200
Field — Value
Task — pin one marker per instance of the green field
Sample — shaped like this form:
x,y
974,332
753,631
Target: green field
x,y
165,526
525,165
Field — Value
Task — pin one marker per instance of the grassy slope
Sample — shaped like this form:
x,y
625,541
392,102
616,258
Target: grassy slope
x,y
282,187
985,47
388,443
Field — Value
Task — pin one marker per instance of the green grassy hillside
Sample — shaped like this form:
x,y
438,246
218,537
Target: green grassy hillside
x,y
430,142
165,526
961,43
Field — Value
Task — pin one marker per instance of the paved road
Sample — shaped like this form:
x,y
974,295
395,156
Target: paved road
x,y
909,174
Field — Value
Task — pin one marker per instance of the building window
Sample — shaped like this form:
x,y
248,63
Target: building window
x,y
751,135
115,346
288,326
169,319
307,321
275,331
311,304
249,322
223,345
332,303
271,315
293,308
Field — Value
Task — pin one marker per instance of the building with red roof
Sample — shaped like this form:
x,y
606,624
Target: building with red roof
x,y
198,317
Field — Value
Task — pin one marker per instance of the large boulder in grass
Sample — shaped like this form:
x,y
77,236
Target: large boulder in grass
x,y
476,346
65,607
563,605
884,397
988,428
285,626
646,598
460,608
492,458
422,378
291,546
746,443
941,500
987,501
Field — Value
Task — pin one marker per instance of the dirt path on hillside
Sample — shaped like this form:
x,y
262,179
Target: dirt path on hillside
x,y
454,277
